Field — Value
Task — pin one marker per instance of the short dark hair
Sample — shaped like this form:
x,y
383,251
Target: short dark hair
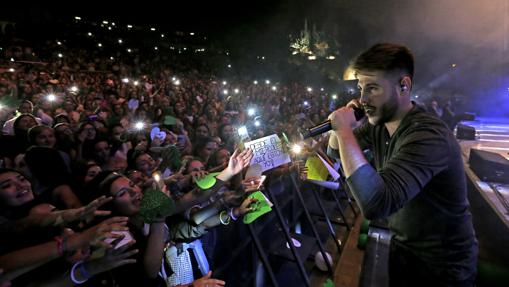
x,y
385,57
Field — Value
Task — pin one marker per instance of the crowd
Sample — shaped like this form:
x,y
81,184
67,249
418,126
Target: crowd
x,y
83,136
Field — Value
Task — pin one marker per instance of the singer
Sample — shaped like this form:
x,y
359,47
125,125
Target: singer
x,y
418,181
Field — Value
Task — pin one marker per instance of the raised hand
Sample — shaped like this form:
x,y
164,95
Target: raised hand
x,y
251,184
199,174
112,258
96,235
246,207
239,160
89,211
207,281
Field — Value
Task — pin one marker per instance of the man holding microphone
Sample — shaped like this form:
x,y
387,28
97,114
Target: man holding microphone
x,y
418,181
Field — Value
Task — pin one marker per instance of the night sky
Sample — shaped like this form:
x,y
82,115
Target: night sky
x,y
472,34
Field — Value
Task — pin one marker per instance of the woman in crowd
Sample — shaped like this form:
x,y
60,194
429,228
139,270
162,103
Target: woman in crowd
x,y
152,237
204,148
27,229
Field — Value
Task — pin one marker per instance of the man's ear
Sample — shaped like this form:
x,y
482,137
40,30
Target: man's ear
x,y
406,85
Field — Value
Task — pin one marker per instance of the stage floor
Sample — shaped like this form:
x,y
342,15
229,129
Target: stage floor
x,y
492,134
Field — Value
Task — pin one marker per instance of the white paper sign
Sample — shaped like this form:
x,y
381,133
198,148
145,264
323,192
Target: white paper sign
x,y
268,152
332,171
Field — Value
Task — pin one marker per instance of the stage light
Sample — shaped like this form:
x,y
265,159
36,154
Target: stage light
x,y
136,83
11,70
152,29
59,43
225,92
60,55
125,80
321,89
74,89
89,34
120,41
334,96
162,35
129,50
99,45
192,34
155,48
229,66
105,22
251,112
129,26
177,82
306,103
255,82
267,82
236,91
77,17
224,83
310,89
274,88
257,123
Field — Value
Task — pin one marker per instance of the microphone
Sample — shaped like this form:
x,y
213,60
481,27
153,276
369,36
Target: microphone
x,y
326,126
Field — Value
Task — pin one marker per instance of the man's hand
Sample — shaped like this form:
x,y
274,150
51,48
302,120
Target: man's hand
x,y
342,118
354,104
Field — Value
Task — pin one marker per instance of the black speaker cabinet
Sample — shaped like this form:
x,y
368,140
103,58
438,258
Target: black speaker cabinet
x,y
467,117
489,166
464,132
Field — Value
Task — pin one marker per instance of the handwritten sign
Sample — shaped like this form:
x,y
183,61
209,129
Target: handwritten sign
x,y
268,152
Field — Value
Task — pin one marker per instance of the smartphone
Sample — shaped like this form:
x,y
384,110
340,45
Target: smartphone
x,y
262,179
158,179
127,239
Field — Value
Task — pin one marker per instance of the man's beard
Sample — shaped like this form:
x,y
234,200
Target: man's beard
x,y
388,110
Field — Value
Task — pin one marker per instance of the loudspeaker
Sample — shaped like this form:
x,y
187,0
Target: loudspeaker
x,y
464,132
467,117
489,166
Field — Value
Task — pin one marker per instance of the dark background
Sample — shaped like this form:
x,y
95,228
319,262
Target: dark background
x,y
471,34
